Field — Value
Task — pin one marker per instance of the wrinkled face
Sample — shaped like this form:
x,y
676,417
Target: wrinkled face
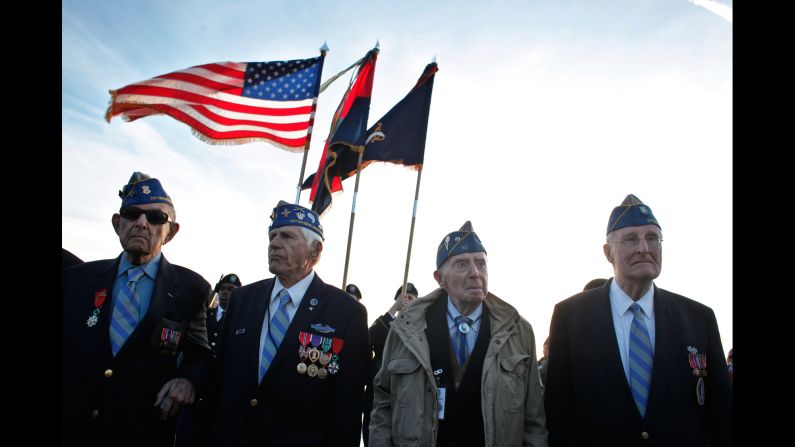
x,y
141,238
465,277
224,292
288,252
636,253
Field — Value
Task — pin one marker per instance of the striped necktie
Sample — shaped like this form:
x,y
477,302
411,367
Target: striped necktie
x,y
276,330
463,326
640,359
125,311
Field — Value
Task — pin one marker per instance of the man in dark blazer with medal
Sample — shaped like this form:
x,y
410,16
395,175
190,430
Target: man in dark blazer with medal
x,y
632,364
134,341
293,350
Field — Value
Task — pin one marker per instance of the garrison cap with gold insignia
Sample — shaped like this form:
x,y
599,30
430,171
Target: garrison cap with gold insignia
x,y
631,213
143,189
286,214
462,241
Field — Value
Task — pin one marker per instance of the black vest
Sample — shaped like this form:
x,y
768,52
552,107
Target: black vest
x,y
463,416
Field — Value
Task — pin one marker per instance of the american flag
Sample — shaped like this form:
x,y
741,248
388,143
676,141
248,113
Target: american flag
x,y
231,102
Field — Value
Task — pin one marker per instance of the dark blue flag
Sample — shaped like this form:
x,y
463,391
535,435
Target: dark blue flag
x,y
399,136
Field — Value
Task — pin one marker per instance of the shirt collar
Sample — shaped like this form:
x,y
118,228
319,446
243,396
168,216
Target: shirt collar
x,y
622,301
297,291
453,312
150,268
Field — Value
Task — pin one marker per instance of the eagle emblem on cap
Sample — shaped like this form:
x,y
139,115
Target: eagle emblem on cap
x,y
145,189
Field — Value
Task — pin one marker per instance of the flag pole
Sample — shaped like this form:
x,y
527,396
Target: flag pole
x,y
323,50
353,217
411,233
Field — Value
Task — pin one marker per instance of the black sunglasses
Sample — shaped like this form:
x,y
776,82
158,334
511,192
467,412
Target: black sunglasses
x,y
154,217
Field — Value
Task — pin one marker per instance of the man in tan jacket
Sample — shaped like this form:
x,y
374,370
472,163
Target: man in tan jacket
x,y
459,365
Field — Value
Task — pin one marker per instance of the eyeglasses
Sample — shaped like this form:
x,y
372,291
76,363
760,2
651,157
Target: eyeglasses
x,y
633,241
154,217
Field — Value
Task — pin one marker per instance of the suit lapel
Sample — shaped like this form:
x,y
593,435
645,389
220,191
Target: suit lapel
x,y
603,334
666,342
261,297
104,280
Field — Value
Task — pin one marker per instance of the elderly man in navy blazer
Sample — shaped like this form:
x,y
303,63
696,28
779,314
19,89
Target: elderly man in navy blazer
x,y
134,338
631,364
293,350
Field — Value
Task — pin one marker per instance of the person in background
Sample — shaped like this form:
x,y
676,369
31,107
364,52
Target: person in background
x,y
459,365
354,291
636,364
215,315
292,354
542,363
134,343
378,332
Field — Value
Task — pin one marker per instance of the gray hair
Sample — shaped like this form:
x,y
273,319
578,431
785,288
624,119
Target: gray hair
x,y
310,236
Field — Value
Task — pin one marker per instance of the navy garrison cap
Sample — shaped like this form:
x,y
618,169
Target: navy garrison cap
x,y
286,214
462,241
631,213
143,189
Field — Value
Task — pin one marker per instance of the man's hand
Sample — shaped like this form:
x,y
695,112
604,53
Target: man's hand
x,y
174,394
400,303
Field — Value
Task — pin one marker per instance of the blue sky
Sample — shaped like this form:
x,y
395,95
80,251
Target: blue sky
x,y
545,115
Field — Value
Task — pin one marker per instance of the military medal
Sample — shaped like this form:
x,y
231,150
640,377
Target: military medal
x,y
303,351
699,364
322,373
99,300
325,356
336,348
314,353
311,370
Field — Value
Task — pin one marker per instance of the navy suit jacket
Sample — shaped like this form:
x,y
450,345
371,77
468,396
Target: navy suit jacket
x,y
106,396
213,326
288,408
587,397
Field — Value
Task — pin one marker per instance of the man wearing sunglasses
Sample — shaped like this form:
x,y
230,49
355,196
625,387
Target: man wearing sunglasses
x,y
630,363
134,336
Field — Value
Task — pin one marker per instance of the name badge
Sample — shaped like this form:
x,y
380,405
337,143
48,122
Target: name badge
x,y
440,399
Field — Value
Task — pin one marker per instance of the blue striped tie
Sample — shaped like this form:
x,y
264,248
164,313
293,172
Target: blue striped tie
x,y
640,359
276,331
463,346
125,310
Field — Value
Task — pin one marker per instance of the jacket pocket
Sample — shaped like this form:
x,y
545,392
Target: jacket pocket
x,y
512,381
407,391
